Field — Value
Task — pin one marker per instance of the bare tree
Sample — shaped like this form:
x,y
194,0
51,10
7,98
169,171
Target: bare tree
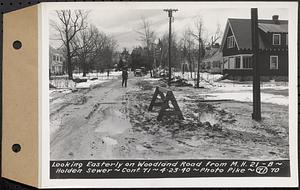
x,y
175,48
198,35
217,35
71,23
104,49
188,43
85,46
146,33
147,37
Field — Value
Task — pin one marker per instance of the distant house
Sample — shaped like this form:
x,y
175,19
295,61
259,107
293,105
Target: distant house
x,y
56,62
212,62
273,48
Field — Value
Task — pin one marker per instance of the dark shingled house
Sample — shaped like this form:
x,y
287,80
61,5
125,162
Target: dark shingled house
x,y
273,48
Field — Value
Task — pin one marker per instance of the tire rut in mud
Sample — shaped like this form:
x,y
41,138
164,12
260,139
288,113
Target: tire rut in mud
x,y
96,106
78,98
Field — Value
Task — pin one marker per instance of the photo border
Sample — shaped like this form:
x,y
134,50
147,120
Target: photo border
x,y
44,132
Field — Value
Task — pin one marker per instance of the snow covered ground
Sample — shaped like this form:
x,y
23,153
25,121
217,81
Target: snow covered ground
x,y
92,79
207,77
90,83
247,97
239,91
271,92
103,75
64,85
111,122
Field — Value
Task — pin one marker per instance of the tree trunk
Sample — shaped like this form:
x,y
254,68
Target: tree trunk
x,y
191,70
199,59
191,66
69,63
198,75
84,70
84,67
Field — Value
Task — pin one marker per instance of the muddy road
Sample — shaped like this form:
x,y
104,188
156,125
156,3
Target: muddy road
x,y
111,122
89,123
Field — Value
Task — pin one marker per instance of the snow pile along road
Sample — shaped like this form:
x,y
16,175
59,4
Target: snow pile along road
x,y
92,79
248,97
89,83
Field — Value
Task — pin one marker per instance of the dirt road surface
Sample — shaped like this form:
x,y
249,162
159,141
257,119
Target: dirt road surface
x,y
112,122
90,123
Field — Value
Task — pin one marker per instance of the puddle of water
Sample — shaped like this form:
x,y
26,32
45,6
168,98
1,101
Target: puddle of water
x,y
110,141
114,123
210,117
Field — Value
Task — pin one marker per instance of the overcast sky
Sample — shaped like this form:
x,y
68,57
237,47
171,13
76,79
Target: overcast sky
x,y
123,23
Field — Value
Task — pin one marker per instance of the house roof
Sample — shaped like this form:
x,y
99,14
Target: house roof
x,y
241,29
278,28
55,51
217,56
210,52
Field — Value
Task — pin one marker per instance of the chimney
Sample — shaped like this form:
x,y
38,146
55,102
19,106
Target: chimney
x,y
275,18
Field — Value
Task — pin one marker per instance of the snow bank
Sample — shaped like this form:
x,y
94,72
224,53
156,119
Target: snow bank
x,y
89,83
247,97
151,79
204,76
62,82
233,86
208,80
98,75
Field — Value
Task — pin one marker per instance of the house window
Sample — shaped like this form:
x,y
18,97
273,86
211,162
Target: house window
x,y
273,62
238,62
286,39
225,63
60,59
230,42
247,62
231,63
54,57
276,39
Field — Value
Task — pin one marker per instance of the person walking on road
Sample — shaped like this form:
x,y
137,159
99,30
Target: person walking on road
x,y
124,77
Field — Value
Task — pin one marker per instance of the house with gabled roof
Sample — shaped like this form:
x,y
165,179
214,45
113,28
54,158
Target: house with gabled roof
x,y
212,61
273,48
56,61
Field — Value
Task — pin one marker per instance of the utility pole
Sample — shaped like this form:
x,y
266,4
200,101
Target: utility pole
x,y
256,115
199,60
170,11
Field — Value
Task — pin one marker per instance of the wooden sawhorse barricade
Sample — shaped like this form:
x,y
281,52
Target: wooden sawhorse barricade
x,y
166,95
